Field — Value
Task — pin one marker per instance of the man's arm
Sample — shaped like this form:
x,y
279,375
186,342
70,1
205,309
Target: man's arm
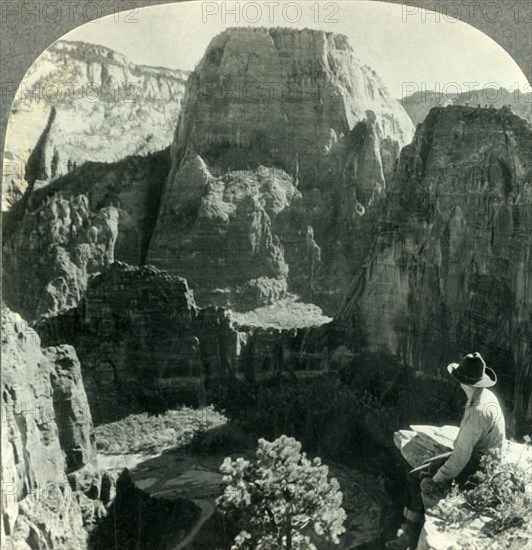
x,y
468,436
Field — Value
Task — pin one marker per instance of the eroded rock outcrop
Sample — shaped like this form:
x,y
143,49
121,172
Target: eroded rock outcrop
x,y
449,272
46,434
145,345
76,103
283,150
75,226
54,251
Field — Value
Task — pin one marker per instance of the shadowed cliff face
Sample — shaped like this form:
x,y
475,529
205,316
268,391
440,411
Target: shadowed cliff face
x,y
77,225
81,102
450,270
46,433
282,152
145,345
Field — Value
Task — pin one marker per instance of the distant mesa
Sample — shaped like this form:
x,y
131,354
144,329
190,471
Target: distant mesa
x,y
418,104
81,102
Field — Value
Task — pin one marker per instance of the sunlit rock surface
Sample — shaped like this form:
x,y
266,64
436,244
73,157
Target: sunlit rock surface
x,y
46,433
420,443
77,103
449,272
281,156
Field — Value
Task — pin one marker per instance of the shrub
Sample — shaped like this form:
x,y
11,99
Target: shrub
x,y
502,496
220,439
279,496
504,492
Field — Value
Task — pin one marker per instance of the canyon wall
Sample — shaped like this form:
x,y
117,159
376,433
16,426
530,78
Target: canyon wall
x,y
46,435
282,154
258,198
145,345
450,270
76,103
77,225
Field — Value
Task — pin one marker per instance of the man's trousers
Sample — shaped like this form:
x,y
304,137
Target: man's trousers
x,y
414,507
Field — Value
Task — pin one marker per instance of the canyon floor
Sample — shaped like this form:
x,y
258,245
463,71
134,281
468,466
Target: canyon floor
x,y
182,472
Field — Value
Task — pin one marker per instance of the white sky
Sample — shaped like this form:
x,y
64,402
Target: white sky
x,y
408,47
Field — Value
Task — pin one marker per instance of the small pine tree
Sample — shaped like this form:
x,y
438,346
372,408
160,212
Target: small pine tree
x,y
279,495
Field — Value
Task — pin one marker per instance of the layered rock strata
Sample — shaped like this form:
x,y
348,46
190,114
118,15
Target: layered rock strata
x,y
75,104
46,434
282,152
449,272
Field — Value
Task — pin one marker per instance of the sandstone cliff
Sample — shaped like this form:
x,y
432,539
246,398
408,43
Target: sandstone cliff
x,y
418,104
449,272
76,104
46,434
145,345
75,226
282,152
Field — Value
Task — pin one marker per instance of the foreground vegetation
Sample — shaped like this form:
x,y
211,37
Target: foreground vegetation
x,y
138,433
279,498
502,499
350,414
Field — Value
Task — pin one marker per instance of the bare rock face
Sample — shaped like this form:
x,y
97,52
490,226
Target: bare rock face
x,y
54,251
419,104
133,333
75,226
450,272
46,433
282,152
76,103
145,345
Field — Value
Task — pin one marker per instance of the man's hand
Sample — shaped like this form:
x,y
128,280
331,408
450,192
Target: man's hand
x,y
428,486
424,474
431,491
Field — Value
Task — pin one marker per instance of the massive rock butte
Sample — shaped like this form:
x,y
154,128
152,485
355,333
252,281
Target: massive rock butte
x,y
46,435
76,104
145,345
450,270
283,151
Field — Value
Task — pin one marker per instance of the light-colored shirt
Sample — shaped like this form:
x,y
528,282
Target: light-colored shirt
x,y
482,429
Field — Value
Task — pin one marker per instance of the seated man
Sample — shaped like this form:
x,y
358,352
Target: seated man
x,y
482,429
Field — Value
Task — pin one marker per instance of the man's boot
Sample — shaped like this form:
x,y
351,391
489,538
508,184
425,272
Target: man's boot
x,y
408,536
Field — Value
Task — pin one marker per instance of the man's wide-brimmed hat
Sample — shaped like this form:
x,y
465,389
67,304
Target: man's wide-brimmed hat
x,y
472,371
